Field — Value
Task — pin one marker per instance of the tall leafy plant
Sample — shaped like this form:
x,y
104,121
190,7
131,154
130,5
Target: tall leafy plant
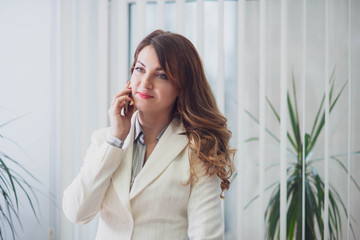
x,y
314,183
12,183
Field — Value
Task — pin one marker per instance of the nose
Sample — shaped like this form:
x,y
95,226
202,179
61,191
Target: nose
x,y
147,81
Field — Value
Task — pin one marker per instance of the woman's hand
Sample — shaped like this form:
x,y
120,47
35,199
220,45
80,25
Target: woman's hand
x,y
120,124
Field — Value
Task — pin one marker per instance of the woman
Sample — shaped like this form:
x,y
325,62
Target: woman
x,y
160,170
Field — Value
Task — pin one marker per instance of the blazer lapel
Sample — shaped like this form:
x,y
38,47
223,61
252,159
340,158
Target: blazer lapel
x,y
168,147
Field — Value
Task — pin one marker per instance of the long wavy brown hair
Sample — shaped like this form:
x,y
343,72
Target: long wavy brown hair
x,y
195,106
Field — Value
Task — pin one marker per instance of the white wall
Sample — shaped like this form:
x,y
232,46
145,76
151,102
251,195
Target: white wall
x,y
26,88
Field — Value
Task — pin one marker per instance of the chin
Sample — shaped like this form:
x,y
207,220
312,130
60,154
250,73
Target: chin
x,y
143,107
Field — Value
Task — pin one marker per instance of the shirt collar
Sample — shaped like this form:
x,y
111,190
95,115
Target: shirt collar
x,y
139,134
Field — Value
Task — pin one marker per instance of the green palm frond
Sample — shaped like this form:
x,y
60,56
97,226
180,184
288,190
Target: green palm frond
x,y
12,183
314,184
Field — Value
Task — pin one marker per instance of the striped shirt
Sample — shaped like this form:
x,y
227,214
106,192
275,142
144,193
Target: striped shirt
x,y
139,150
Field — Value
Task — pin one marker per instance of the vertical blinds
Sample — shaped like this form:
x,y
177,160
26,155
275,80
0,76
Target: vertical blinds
x,y
247,15
275,40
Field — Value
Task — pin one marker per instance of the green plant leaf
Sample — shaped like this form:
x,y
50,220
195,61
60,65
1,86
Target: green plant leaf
x,y
295,99
334,215
294,125
334,157
268,132
12,183
317,117
21,167
9,223
345,169
6,169
338,96
12,120
17,145
273,109
252,139
322,122
293,211
314,185
5,186
317,133
257,121
257,196
291,141
338,197
29,198
332,83
320,199
272,213
312,211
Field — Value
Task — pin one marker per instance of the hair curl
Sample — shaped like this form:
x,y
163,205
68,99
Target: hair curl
x,y
195,106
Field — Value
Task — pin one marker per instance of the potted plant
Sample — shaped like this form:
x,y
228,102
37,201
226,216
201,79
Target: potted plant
x,y
13,182
314,183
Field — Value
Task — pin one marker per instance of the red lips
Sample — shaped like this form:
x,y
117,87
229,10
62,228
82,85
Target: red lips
x,y
144,95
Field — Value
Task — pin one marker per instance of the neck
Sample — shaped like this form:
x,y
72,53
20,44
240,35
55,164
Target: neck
x,y
152,124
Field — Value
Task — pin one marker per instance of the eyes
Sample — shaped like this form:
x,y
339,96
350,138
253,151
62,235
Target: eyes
x,y
163,76
157,74
139,69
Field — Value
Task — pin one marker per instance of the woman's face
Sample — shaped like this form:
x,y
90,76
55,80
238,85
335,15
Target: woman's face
x,y
152,91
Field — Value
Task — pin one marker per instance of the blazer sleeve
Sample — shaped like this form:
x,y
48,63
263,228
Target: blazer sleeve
x,y
205,215
83,197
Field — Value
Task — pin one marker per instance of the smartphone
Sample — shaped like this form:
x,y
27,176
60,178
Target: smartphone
x,y
127,105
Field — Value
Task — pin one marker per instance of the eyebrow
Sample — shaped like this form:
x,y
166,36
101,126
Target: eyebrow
x,y
157,69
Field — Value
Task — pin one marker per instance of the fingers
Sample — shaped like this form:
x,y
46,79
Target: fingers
x,y
118,103
120,124
126,91
122,94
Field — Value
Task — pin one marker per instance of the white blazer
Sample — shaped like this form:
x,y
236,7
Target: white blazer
x,y
160,204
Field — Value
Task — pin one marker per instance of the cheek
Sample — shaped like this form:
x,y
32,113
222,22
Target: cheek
x,y
133,86
133,81
171,94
